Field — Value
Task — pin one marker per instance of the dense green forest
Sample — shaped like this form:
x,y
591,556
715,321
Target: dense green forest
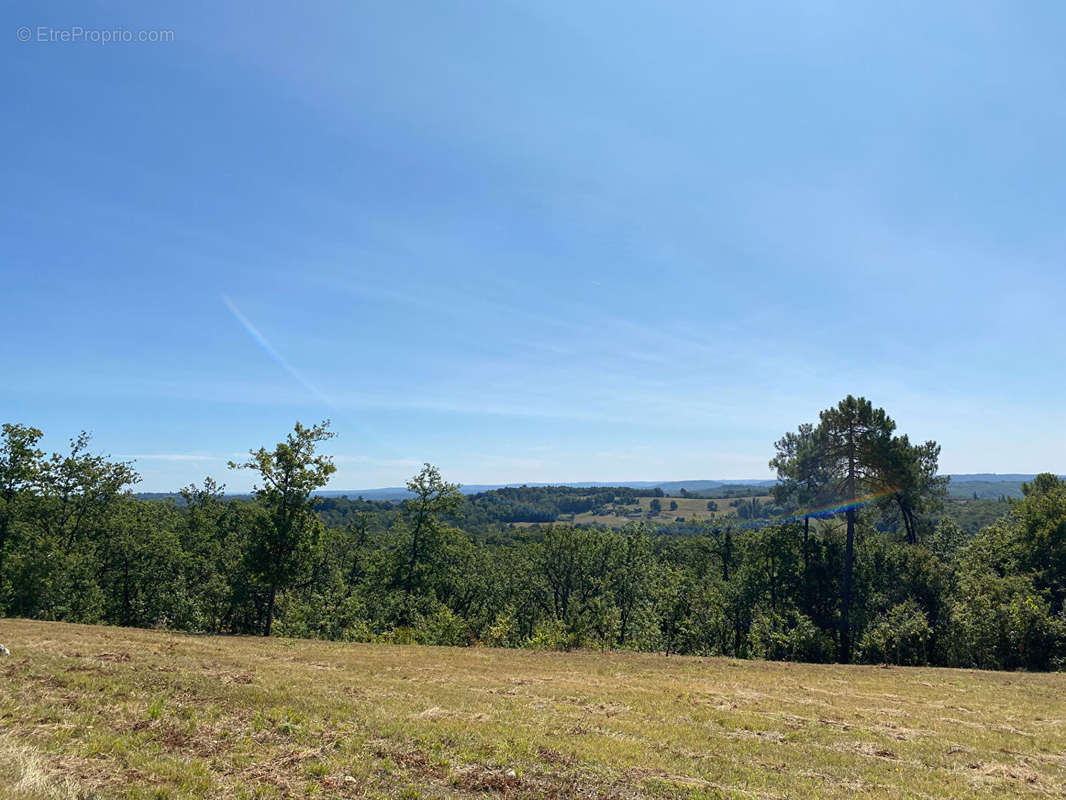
x,y
858,556
486,511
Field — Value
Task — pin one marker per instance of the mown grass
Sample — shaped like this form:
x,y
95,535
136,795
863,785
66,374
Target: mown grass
x,y
107,712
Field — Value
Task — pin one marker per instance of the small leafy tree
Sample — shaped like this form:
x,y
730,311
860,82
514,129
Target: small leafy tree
x,y
422,537
631,577
69,532
287,530
20,467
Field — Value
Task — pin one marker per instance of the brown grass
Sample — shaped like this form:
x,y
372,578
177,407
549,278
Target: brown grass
x,y
689,508
108,712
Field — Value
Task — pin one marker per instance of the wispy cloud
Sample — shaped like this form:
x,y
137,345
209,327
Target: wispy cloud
x,y
263,342
169,457
377,462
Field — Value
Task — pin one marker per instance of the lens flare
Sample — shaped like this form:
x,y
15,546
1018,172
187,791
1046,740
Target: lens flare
x,y
838,507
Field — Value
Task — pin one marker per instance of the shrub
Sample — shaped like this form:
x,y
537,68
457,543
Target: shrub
x,y
1004,623
787,636
549,635
503,632
441,627
900,637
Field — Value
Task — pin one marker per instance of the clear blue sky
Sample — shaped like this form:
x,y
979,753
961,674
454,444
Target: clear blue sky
x,y
545,241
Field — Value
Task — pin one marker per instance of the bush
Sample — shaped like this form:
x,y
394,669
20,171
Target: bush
x,y
442,627
318,616
503,632
787,636
900,637
1004,623
549,635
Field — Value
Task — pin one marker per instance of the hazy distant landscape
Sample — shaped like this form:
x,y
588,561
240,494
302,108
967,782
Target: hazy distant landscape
x,y
988,486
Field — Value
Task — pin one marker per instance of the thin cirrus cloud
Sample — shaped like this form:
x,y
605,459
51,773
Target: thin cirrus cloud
x,y
179,457
265,344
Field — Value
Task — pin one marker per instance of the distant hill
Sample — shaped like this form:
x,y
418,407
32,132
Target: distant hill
x,y
994,477
986,485
669,487
986,489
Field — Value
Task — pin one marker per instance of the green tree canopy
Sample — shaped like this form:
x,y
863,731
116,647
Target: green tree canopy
x,y
288,529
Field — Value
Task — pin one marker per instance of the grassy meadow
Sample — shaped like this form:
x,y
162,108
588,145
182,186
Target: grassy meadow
x,y
100,712
689,508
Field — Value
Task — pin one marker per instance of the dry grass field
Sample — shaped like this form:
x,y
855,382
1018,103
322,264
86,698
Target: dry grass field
x,y
687,507
99,712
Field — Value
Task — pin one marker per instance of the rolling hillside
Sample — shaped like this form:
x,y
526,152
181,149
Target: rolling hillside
x,y
120,713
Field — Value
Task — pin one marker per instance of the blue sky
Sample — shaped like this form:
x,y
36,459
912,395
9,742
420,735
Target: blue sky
x,y
534,241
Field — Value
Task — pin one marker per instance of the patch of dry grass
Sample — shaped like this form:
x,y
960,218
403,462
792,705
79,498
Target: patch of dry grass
x,y
688,507
25,773
107,712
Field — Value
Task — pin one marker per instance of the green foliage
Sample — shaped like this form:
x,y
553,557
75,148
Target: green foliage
x,y
601,621
804,480
286,532
947,538
64,514
441,627
788,636
1004,623
424,548
550,634
503,632
1041,517
900,637
850,458
78,546
972,515
20,466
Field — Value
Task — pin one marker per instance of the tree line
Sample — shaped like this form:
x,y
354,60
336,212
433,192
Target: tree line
x,y
858,567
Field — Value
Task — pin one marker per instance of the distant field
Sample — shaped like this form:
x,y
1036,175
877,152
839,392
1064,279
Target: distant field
x,y
107,712
689,508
